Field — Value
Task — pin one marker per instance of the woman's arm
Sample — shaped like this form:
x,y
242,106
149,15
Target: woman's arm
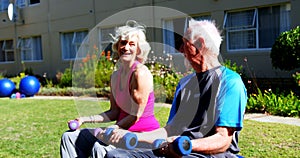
x,y
109,115
141,84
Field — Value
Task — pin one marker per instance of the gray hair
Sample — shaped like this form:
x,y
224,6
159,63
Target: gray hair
x,y
208,31
132,28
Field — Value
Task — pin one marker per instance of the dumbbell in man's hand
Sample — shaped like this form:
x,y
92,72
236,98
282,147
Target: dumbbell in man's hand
x,y
181,146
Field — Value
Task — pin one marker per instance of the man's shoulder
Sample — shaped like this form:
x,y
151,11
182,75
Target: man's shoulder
x,y
229,74
187,77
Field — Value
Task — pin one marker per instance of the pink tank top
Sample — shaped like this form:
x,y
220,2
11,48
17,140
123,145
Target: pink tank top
x,y
147,121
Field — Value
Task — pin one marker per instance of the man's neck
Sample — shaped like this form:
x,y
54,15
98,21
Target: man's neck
x,y
207,65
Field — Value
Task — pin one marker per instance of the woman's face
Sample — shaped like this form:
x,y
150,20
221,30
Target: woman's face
x,y
128,48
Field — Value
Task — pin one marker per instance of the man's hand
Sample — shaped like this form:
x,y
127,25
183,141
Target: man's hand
x,y
170,148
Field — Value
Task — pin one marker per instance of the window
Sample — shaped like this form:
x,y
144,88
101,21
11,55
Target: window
x,y
71,42
25,3
105,38
106,41
30,48
31,2
6,51
173,29
3,5
256,28
21,3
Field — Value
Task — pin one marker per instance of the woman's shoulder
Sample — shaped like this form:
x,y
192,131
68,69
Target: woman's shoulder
x,y
142,70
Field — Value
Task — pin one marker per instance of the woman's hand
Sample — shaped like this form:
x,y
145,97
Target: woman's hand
x,y
113,126
80,120
117,135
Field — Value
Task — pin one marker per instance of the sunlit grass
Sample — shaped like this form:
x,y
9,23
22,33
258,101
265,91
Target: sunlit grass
x,y
33,127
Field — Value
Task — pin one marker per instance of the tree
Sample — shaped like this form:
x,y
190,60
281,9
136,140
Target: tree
x,y
285,52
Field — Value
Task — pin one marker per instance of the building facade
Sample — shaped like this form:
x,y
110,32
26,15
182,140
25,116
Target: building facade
x,y
46,35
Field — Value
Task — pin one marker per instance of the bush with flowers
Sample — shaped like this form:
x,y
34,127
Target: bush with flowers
x,y
93,75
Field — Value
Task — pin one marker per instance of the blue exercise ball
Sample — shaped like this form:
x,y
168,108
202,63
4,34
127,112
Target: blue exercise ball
x,y
6,87
29,85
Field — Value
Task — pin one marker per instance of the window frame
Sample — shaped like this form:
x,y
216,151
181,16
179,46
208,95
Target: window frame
x,y
4,6
166,30
74,43
106,43
254,27
6,50
30,49
26,3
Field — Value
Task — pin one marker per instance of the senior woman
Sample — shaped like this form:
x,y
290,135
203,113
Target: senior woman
x,y
131,102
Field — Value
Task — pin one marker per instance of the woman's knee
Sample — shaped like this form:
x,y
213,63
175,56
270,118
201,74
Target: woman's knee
x,y
69,135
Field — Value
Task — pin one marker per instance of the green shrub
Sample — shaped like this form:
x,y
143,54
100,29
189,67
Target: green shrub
x,y
66,78
17,79
165,81
105,67
286,49
233,66
93,71
274,104
1,75
73,91
296,77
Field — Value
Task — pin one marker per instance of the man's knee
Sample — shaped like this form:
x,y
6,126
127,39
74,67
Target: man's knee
x,y
117,153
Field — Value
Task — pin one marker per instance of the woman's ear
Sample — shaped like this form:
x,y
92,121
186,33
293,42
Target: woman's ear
x,y
138,51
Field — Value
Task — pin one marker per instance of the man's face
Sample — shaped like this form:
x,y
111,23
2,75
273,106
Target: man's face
x,y
191,53
192,49
128,48
188,48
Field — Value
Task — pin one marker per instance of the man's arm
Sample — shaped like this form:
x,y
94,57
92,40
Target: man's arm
x,y
217,143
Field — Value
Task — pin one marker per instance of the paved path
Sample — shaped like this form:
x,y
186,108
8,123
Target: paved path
x,y
256,117
274,119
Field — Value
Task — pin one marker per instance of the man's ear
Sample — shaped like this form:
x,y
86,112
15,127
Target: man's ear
x,y
199,43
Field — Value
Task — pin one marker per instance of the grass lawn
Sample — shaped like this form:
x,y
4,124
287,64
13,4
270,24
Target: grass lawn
x,y
33,127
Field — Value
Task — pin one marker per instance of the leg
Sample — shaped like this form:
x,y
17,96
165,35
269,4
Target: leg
x,y
99,149
221,155
137,153
77,143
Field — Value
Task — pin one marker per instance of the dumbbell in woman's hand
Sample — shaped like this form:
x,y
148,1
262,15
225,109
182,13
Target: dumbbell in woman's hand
x,y
181,145
129,140
73,125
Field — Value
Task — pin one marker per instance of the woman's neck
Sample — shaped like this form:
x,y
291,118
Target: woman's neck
x,y
126,67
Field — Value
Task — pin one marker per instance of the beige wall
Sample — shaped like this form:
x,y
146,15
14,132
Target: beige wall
x,y
51,17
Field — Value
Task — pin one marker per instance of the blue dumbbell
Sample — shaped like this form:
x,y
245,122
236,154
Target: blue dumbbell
x,y
129,141
73,125
156,144
182,145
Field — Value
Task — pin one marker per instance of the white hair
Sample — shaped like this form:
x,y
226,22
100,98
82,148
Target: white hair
x,y
132,28
208,31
